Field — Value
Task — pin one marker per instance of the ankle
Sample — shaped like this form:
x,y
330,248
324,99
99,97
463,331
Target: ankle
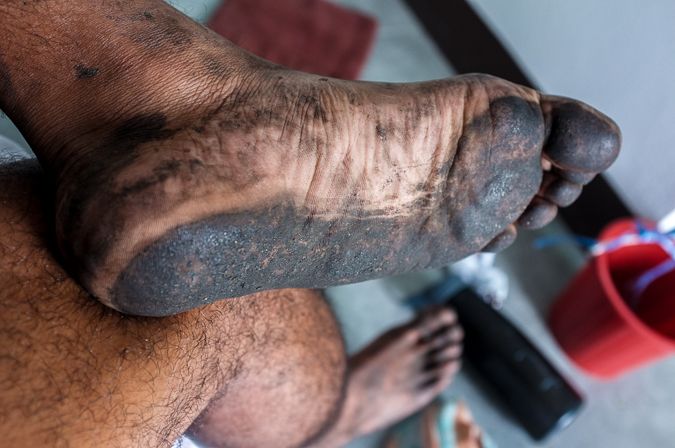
x,y
107,65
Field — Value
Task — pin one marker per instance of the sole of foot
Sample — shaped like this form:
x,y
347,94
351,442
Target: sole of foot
x,y
188,171
316,182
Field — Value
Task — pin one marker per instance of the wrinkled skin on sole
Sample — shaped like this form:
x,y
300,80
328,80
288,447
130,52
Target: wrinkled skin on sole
x,y
229,255
341,221
188,171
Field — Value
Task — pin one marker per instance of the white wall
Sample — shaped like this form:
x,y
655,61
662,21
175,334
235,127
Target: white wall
x,y
618,56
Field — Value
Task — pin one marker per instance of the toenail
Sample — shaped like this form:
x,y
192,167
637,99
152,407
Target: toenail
x,y
457,333
449,316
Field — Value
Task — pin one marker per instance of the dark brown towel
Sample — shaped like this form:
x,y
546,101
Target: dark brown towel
x,y
309,35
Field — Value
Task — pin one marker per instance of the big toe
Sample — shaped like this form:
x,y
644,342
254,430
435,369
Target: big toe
x,y
579,138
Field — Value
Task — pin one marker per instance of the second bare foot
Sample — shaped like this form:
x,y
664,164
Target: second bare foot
x,y
398,374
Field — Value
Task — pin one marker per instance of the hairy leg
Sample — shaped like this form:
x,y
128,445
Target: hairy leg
x,y
393,377
188,170
74,373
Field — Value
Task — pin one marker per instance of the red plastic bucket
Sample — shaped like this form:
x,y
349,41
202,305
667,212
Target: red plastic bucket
x,y
595,326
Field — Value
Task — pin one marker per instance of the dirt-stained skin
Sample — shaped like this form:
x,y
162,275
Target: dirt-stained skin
x,y
181,168
496,168
337,222
94,172
207,173
578,138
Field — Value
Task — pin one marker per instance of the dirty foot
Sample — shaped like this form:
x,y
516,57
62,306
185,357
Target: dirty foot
x,y
189,171
397,375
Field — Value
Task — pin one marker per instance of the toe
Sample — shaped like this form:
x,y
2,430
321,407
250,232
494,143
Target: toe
x,y
432,321
539,213
559,191
440,377
502,241
449,353
579,138
444,337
